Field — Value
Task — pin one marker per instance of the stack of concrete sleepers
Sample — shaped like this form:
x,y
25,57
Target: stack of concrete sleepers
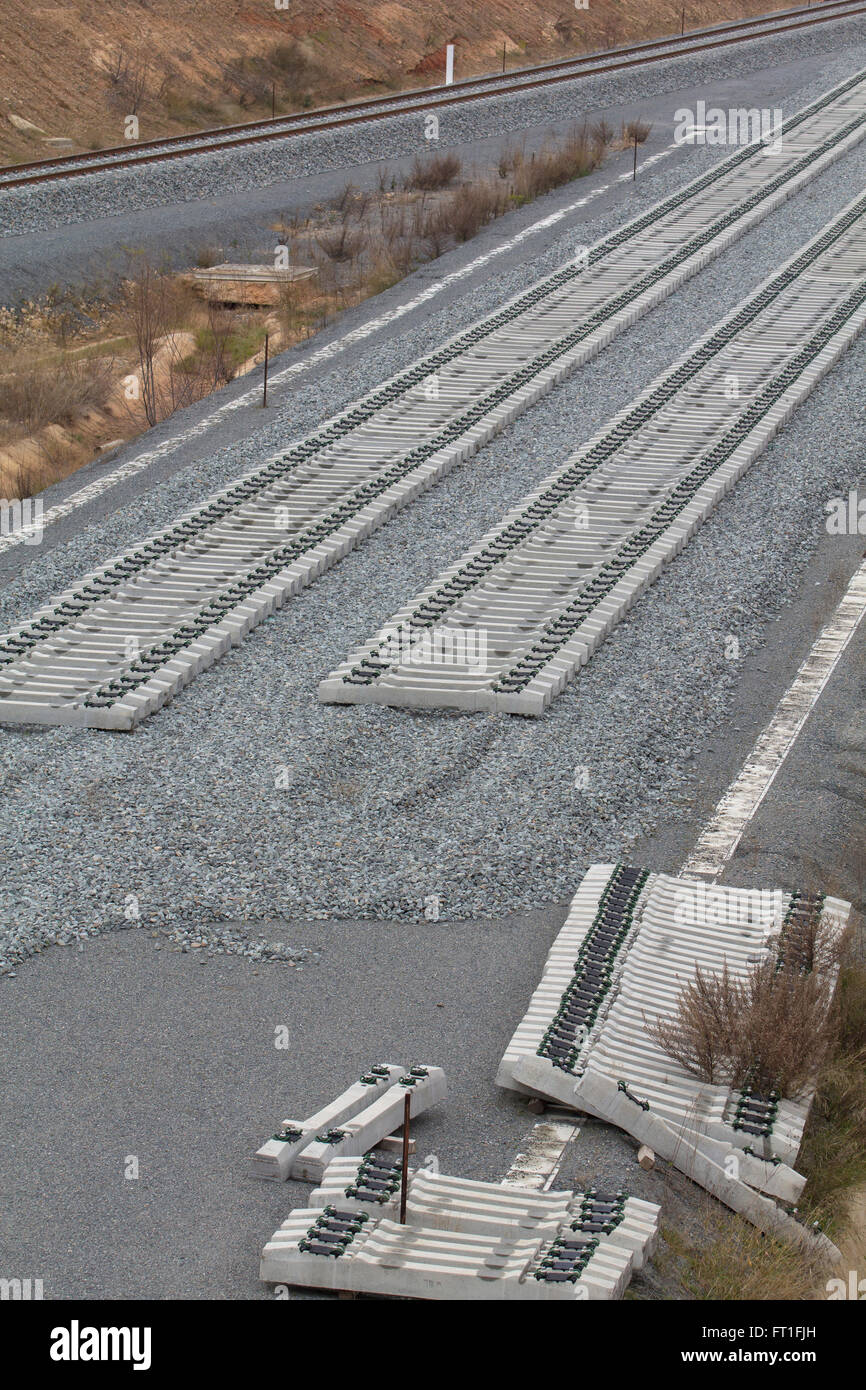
x,y
631,942
462,1239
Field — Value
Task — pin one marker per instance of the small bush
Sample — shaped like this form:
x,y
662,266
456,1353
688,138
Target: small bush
x,y
208,256
434,230
472,209
769,1030
342,244
601,132
551,167
632,131
35,394
439,171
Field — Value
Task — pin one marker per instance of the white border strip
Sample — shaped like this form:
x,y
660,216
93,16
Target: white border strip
x,y
723,832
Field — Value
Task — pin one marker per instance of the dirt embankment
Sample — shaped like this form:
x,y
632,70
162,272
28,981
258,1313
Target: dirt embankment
x,y
72,72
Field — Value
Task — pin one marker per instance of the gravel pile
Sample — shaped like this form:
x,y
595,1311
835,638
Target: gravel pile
x,y
246,803
209,176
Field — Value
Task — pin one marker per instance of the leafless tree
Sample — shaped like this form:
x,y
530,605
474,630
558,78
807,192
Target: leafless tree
x,y
129,75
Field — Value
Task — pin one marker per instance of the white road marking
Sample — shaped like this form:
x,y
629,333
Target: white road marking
x,y
723,832
538,1165
141,461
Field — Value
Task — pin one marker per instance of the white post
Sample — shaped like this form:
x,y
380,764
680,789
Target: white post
x,y
449,64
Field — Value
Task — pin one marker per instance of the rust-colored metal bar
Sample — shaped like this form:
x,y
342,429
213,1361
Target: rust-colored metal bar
x,y
404,1183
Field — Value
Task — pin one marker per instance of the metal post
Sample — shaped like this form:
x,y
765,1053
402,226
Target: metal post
x,y
683,30
265,392
404,1185
273,100
634,171
449,64
503,57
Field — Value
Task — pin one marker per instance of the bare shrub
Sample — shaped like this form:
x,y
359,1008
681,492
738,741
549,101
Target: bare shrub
x,y
769,1030
439,171
434,231
553,166
392,222
785,1031
130,77
472,208
35,394
352,202
601,132
699,1035
152,306
506,161
341,244
631,131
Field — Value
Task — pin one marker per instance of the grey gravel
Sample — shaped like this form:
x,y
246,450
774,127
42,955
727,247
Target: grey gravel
x,y
385,809
207,176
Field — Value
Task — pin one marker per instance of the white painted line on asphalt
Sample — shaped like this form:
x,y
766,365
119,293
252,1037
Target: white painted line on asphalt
x,y
539,1163
723,832
141,461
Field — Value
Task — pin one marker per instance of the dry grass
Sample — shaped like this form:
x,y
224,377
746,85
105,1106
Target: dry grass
x,y
472,208
554,165
735,1262
437,171
833,1154
632,132
34,393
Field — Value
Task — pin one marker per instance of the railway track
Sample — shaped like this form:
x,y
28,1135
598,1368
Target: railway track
x,y
509,625
377,108
111,650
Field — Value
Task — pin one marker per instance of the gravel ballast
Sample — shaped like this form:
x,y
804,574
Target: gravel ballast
x,y
247,801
